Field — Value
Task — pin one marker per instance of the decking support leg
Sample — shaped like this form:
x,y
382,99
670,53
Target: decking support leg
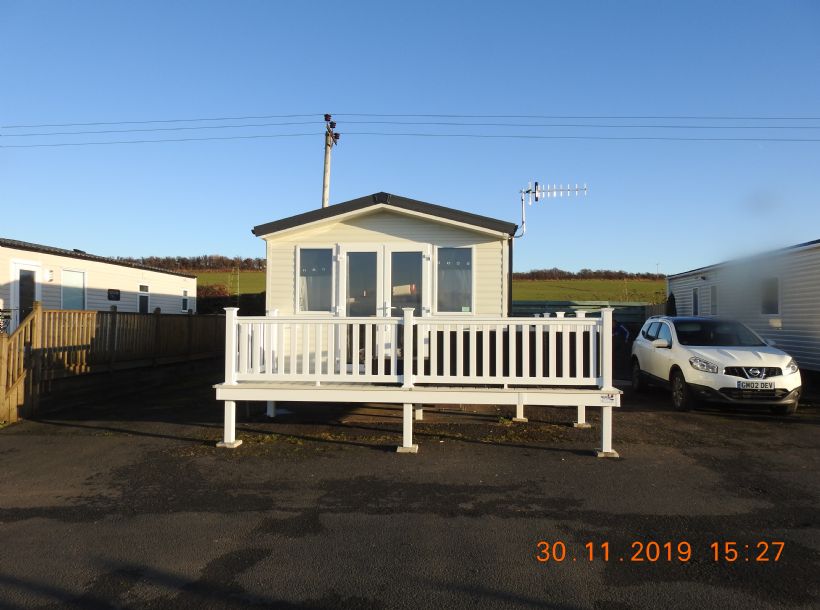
x,y
582,418
519,410
229,441
606,434
407,445
418,413
271,412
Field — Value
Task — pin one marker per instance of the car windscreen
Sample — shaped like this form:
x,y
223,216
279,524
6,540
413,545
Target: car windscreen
x,y
715,333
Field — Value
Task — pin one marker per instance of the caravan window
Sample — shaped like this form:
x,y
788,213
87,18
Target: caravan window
x,y
73,288
315,279
455,280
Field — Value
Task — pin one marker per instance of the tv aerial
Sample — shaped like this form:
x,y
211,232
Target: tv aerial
x,y
537,191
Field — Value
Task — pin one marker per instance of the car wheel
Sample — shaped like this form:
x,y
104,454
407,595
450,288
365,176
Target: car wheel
x,y
785,409
638,381
681,394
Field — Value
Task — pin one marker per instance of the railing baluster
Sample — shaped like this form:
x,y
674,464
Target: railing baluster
x,y
447,364
513,332
552,353
525,350
564,351
579,352
368,349
539,350
473,350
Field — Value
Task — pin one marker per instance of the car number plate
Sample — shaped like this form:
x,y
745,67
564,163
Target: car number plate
x,y
755,385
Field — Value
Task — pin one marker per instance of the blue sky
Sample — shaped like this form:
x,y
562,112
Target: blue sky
x,y
675,204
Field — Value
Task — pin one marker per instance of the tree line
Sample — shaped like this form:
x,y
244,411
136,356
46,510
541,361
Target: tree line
x,y
584,274
217,262
206,262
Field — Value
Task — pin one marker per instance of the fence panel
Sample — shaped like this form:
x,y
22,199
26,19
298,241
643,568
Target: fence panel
x,y
52,344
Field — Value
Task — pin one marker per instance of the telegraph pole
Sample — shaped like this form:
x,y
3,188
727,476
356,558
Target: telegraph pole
x,y
331,138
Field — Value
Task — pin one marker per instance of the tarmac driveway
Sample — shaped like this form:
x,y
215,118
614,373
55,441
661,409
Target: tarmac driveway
x,y
128,504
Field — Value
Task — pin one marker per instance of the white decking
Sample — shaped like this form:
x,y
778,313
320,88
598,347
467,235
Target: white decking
x,y
420,361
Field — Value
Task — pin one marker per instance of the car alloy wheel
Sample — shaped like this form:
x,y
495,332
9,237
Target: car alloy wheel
x,y
681,398
638,382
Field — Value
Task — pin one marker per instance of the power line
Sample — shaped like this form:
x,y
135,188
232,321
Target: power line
x,y
452,116
596,125
410,123
539,137
423,135
564,116
77,133
224,118
249,137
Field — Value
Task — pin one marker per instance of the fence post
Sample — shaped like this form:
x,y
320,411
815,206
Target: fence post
x,y
112,337
157,337
230,345
4,365
606,348
407,349
190,348
36,356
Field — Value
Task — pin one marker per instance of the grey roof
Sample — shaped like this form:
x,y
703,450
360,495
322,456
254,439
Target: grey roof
x,y
396,201
805,244
79,254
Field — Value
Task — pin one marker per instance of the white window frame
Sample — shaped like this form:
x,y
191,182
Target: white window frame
x,y
426,284
140,293
779,297
185,297
334,274
381,299
85,286
15,265
473,264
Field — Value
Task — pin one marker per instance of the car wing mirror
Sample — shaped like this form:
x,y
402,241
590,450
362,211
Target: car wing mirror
x,y
660,343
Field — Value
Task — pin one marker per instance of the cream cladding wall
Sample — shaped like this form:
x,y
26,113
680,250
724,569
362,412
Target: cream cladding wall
x,y
383,227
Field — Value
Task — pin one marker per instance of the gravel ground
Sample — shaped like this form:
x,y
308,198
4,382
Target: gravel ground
x,y
127,503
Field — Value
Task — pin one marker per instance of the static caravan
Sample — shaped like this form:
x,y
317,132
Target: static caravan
x,y
777,294
73,279
392,300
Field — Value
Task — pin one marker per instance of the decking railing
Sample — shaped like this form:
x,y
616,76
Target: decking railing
x,y
476,351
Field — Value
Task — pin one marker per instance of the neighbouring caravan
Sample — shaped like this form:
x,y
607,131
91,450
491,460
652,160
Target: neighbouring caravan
x,y
73,279
776,293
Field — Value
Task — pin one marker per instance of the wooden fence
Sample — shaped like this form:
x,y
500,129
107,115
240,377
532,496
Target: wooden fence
x,y
50,345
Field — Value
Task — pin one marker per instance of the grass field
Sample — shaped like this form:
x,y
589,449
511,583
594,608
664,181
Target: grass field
x,y
652,291
250,282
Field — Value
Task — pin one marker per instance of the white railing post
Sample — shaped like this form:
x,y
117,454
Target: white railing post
x,y
606,348
407,350
273,337
230,345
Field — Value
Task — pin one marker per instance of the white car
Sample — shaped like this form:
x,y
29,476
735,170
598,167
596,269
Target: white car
x,y
714,360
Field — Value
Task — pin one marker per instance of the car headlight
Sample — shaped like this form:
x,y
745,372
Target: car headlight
x,y
791,367
703,365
